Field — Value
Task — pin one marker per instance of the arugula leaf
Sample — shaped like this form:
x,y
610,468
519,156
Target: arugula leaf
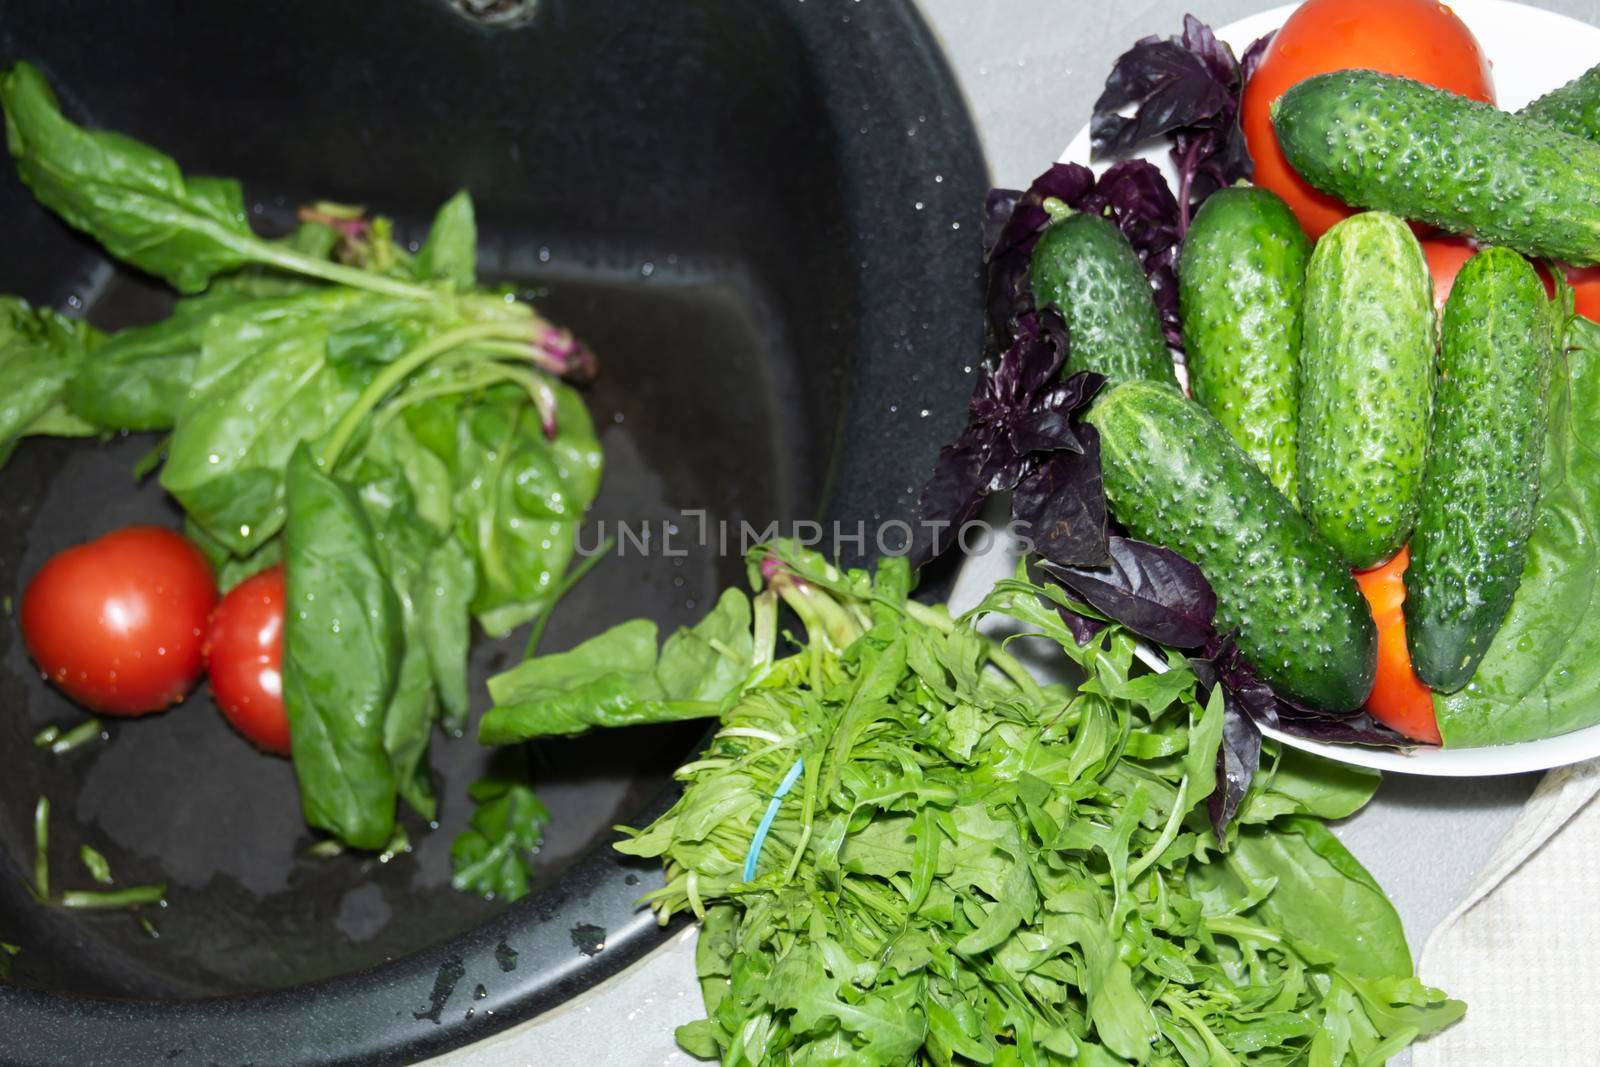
x,y
617,678
493,856
1541,675
342,649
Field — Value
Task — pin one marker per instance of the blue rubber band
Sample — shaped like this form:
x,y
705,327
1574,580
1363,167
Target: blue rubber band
x,y
773,805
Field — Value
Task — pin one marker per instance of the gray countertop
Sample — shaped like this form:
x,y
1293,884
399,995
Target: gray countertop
x,y
1031,70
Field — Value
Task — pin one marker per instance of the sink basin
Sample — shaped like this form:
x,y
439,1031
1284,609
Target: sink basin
x,y
762,215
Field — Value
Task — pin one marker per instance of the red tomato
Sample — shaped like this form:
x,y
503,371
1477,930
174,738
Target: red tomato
x,y
1420,39
1446,257
1585,282
1399,699
244,654
118,623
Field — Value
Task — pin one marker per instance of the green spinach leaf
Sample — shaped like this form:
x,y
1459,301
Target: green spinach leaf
x,y
263,384
40,351
136,202
128,196
1324,900
494,855
520,499
1541,675
617,678
343,646
451,251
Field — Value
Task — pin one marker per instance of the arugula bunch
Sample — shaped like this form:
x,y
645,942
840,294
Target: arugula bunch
x,y
974,867
397,435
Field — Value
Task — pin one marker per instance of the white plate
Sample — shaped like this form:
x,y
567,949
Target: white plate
x,y
1531,51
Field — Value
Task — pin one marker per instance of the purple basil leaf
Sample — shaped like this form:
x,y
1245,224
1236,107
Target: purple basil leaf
x,y
998,207
1151,590
1357,729
1251,60
1216,56
1238,759
1062,505
1049,426
1084,629
1015,415
1170,87
952,496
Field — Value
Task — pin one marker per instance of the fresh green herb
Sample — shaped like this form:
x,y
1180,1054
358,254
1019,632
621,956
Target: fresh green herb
x,y
60,742
399,844
342,648
977,868
493,857
147,927
618,679
134,200
8,953
326,849
97,865
41,848
133,896
39,353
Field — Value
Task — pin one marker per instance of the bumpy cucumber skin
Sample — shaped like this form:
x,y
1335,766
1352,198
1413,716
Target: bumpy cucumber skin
x,y
1174,477
1366,386
1378,141
1574,108
1482,479
1241,283
1087,270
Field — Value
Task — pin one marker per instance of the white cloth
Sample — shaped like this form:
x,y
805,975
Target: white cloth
x,y
1523,948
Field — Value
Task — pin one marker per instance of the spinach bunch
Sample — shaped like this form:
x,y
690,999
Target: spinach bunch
x,y
399,437
974,867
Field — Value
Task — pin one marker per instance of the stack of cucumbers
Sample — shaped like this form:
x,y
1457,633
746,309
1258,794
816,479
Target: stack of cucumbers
x,y
1335,416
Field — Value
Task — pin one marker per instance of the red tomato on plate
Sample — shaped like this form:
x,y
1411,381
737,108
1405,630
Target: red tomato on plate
x,y
118,623
1420,39
1446,257
244,653
1399,699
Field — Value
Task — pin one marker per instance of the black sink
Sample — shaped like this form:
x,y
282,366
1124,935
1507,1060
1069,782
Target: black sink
x,y
762,214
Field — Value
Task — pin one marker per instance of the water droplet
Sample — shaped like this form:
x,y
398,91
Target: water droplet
x,y
544,255
647,269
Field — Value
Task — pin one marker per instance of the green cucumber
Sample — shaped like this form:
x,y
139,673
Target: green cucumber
x,y
1482,480
1241,282
1085,268
1174,477
1378,141
1574,108
1366,385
